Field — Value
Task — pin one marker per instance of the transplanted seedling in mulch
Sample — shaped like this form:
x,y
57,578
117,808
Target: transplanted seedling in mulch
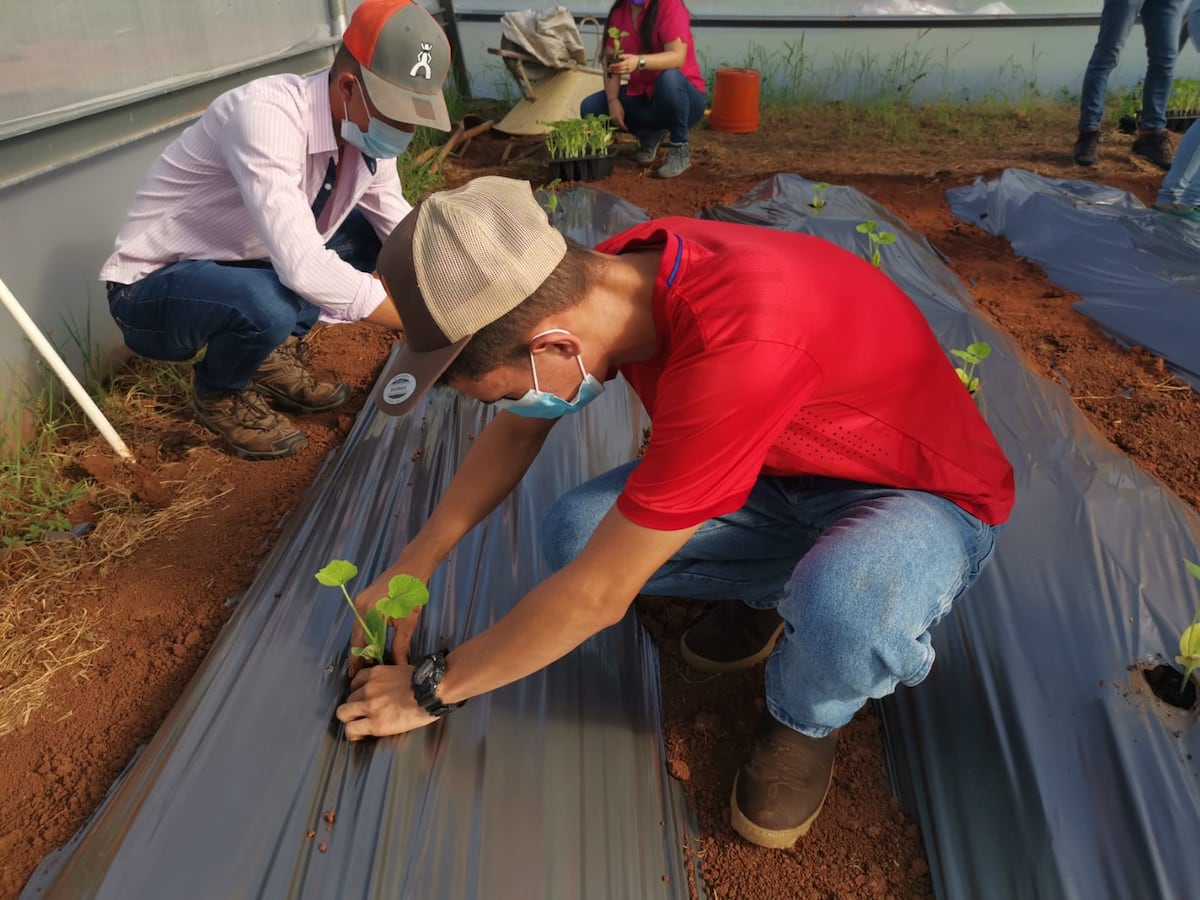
x,y
1189,641
405,594
877,237
971,357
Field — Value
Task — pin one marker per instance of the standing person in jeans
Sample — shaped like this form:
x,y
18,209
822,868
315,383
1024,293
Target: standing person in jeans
x,y
665,93
1180,190
817,471
266,216
1160,22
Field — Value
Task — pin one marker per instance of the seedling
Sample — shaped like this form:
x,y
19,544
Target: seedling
x,y
580,138
877,237
971,357
405,594
615,35
551,202
1189,641
818,200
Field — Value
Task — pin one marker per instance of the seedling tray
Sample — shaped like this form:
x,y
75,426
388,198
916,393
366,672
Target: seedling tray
x,y
582,168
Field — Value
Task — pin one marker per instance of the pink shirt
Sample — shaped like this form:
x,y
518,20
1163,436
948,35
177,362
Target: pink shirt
x,y
673,23
240,183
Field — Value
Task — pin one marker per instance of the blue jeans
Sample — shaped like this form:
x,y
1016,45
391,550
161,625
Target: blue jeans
x,y
1161,20
676,107
1181,186
860,573
240,311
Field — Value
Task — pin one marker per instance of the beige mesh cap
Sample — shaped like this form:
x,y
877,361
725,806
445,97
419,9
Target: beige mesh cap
x,y
458,262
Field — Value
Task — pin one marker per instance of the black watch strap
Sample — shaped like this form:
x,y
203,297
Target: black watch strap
x,y
428,673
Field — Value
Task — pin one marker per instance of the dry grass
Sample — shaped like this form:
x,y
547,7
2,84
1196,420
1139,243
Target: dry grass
x,y
45,621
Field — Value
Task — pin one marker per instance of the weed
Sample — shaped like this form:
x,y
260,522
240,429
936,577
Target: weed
x,y
405,594
971,357
877,238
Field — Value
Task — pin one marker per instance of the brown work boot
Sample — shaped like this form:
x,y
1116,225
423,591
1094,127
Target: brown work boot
x,y
285,379
731,636
780,789
247,424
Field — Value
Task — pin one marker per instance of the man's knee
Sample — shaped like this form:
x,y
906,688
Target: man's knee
x,y
565,531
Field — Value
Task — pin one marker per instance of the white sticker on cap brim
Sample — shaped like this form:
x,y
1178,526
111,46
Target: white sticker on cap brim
x,y
399,388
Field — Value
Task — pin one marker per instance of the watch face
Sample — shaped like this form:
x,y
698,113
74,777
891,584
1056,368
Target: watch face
x,y
424,670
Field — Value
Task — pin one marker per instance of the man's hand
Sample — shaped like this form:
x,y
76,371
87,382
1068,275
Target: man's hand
x,y
381,702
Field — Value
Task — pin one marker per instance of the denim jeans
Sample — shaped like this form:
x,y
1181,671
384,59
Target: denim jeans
x,y
240,311
1181,185
676,107
859,573
1161,20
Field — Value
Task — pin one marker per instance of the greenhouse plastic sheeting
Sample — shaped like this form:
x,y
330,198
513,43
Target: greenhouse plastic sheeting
x,y
553,788
1036,764
1134,268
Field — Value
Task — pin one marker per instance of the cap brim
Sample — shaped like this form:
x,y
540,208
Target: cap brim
x,y
401,105
410,375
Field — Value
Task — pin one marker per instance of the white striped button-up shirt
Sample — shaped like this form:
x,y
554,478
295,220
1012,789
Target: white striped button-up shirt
x,y
239,184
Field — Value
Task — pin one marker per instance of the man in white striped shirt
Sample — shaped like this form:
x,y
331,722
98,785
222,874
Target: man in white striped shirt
x,y
266,216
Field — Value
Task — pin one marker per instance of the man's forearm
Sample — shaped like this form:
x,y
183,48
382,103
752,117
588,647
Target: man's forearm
x,y
496,462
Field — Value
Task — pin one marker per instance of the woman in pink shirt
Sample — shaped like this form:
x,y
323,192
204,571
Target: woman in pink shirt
x,y
664,95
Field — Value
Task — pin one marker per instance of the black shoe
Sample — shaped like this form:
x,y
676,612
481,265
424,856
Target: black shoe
x,y
1087,148
780,789
1154,147
730,637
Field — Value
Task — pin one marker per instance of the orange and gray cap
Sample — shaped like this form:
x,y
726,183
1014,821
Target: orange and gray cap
x,y
405,58
458,262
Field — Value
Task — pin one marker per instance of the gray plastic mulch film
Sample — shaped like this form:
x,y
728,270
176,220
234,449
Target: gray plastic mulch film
x,y
552,788
1037,766
1134,268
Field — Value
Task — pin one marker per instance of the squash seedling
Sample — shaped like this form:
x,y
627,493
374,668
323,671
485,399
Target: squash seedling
x,y
405,594
1189,641
971,357
877,237
615,35
818,198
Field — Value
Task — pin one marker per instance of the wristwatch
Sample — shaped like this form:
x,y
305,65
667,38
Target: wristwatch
x,y
427,675
641,63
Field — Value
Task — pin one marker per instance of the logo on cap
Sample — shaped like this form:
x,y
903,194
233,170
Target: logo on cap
x,y
399,388
424,58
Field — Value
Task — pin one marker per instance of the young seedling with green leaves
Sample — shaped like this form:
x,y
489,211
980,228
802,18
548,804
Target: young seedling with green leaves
x,y
1189,641
615,35
579,138
877,237
818,198
405,594
971,357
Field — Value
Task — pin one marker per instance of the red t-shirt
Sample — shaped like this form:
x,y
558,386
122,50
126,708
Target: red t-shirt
x,y
783,354
672,23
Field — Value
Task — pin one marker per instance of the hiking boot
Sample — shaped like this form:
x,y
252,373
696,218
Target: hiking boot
x,y
285,379
678,161
247,424
731,636
780,789
1087,148
1154,147
648,143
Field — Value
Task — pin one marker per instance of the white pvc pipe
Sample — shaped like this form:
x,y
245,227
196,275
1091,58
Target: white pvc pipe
x,y
51,356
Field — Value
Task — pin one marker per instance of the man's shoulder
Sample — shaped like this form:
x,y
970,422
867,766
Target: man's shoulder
x,y
287,92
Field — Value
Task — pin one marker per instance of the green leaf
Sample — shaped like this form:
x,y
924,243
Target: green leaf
x,y
376,626
866,227
981,349
820,186
1189,642
973,386
337,573
405,594
885,237
966,355
1193,568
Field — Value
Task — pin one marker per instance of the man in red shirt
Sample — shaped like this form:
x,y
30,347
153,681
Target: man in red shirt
x,y
815,466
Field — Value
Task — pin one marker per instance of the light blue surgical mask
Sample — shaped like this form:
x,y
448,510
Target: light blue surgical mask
x,y
381,140
539,404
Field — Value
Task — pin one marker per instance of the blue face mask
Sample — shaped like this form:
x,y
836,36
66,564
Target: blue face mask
x,y
381,140
539,404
